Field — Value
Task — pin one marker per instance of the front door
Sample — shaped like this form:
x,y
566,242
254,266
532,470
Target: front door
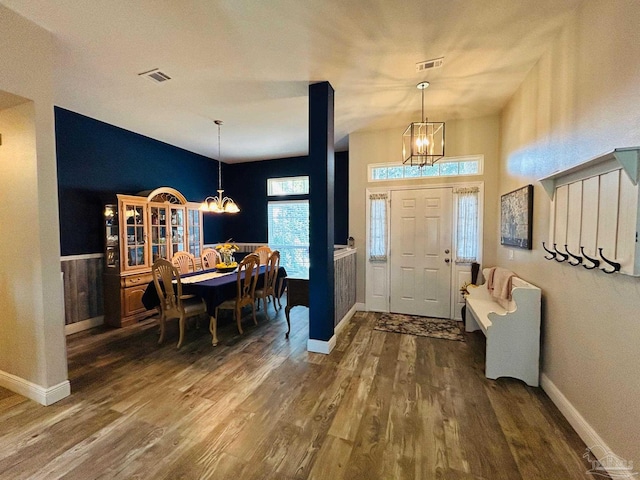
x,y
420,252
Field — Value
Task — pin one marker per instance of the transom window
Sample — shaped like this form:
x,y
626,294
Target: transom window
x,y
287,186
447,167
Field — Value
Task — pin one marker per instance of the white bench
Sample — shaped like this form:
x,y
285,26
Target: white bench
x,y
513,333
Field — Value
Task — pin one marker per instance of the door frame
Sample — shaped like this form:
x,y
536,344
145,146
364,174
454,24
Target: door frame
x,y
378,299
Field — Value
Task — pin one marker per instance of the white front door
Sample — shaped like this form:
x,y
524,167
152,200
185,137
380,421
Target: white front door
x,y
420,252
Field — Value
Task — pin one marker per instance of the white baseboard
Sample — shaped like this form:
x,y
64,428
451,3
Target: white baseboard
x,y
361,307
321,346
589,436
42,395
83,325
345,320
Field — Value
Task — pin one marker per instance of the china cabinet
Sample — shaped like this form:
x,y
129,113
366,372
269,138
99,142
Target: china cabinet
x,y
139,229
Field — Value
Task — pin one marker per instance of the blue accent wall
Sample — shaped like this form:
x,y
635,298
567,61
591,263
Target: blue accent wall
x,y
246,183
96,161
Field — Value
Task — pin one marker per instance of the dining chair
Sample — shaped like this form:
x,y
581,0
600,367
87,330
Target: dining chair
x,y
210,258
263,252
173,304
245,290
184,262
269,286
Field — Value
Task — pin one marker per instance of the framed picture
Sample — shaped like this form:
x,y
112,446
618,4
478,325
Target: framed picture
x,y
516,214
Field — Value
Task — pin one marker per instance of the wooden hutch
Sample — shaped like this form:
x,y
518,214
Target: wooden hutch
x,y
138,230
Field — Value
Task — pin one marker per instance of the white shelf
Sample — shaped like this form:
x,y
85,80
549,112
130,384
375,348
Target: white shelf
x,y
595,213
626,158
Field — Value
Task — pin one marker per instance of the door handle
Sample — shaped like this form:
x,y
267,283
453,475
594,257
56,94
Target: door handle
x,y
447,260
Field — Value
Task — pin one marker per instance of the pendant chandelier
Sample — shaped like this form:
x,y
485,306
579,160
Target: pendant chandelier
x,y
423,142
220,203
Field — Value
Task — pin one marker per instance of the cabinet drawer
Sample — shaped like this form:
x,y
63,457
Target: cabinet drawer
x,y
133,280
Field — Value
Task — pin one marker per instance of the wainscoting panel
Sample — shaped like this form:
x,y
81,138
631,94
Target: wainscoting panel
x,y
345,283
83,292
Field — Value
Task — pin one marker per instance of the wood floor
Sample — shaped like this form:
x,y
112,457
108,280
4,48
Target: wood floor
x,y
381,406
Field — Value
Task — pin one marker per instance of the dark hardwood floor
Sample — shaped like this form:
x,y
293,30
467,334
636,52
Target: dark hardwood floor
x,y
257,406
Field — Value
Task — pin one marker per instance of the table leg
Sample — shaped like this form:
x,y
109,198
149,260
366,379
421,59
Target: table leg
x,y
213,328
286,314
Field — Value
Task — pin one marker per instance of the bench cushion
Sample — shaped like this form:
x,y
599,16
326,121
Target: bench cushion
x,y
481,309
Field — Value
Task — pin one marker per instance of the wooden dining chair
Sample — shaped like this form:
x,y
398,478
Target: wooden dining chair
x,y
210,258
269,286
184,262
245,290
263,252
173,304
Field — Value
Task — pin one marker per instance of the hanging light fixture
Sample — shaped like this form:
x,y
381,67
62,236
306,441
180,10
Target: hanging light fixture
x,y
423,142
220,203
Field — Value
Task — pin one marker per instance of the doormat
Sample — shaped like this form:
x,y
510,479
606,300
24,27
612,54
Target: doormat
x,y
420,326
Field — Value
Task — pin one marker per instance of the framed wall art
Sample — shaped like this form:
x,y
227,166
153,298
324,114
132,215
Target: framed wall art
x,y
516,215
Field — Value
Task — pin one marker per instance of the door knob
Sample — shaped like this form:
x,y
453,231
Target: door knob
x,y
446,251
447,260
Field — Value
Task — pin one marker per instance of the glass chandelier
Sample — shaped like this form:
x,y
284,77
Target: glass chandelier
x,y
423,142
219,203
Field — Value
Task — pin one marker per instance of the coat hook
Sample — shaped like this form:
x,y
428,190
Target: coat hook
x,y
553,254
594,261
564,256
575,257
615,265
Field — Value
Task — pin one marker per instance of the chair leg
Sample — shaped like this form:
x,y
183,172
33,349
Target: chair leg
x,y
162,322
213,328
253,310
239,318
182,322
280,292
264,304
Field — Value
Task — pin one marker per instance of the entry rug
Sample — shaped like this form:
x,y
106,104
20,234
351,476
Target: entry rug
x,y
420,326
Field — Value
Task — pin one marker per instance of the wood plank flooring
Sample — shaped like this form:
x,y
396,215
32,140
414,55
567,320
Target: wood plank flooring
x,y
258,406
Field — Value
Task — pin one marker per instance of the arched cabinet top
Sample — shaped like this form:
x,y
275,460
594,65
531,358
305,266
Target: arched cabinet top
x,y
164,195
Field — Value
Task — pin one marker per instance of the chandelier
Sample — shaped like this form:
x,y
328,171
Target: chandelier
x,y
220,203
423,142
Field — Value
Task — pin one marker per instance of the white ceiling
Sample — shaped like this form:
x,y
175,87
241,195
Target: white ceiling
x,y
250,62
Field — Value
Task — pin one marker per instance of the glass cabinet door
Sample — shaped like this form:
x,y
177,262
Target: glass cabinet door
x,y
135,228
158,224
177,229
195,232
112,236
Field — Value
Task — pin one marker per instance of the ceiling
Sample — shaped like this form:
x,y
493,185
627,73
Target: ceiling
x,y
250,62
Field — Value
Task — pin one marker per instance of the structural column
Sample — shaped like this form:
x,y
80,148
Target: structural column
x,y
321,221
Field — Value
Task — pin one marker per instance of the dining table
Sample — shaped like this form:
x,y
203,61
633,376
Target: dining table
x,y
213,287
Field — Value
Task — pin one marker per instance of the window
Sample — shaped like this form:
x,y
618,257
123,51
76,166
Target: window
x,y
466,224
378,227
448,167
287,186
288,223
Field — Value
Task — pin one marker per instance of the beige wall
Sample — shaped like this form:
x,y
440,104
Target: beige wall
x,y
32,344
463,137
581,100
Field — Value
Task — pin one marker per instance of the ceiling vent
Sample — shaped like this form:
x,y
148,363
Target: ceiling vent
x,y
429,64
155,75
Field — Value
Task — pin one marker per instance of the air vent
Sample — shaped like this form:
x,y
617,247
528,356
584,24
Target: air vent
x,y
435,63
155,75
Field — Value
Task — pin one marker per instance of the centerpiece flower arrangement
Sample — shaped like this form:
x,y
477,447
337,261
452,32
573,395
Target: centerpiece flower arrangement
x,y
226,251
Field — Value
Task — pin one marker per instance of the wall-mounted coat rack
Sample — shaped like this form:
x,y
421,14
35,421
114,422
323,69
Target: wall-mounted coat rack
x,y
595,213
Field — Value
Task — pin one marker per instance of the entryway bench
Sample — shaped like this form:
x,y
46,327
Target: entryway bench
x,y
512,329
